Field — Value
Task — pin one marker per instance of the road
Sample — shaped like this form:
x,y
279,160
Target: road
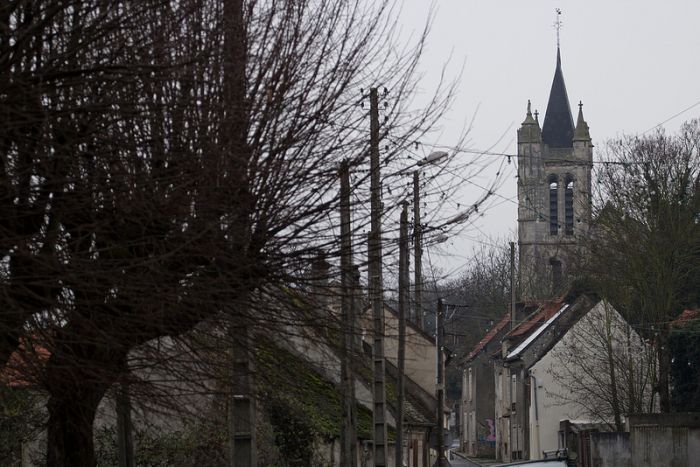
x,y
457,461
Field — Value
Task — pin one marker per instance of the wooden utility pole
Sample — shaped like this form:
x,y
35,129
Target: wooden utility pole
x,y
417,252
439,338
512,285
404,285
376,288
124,439
234,140
241,408
348,447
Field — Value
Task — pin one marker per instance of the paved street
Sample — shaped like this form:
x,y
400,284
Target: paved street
x,y
460,462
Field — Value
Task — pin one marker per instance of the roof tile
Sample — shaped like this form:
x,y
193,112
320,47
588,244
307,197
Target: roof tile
x,y
489,336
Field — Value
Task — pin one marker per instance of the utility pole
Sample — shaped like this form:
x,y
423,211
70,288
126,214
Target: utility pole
x,y
439,338
403,305
348,447
376,288
512,285
418,252
241,409
124,439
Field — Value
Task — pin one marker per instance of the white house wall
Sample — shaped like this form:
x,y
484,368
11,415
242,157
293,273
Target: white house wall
x,y
548,404
546,410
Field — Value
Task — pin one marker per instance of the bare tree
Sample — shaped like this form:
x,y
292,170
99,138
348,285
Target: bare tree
x,y
605,368
166,163
646,244
481,295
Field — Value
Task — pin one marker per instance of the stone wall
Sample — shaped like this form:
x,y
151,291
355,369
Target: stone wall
x,y
610,450
654,440
665,440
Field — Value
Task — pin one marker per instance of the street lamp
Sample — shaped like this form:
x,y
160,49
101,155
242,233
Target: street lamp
x,y
432,158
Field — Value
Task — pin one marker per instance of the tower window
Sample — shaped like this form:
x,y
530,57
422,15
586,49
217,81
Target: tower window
x,y
553,206
569,206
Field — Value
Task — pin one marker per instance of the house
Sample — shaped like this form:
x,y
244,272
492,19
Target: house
x,y
554,366
298,379
420,347
420,376
478,436
477,405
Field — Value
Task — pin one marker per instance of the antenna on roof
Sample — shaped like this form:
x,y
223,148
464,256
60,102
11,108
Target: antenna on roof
x,y
558,23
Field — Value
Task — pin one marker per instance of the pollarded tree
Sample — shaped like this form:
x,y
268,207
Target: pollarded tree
x,y
645,253
163,161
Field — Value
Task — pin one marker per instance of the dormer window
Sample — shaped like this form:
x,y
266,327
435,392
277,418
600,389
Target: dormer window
x,y
553,205
569,206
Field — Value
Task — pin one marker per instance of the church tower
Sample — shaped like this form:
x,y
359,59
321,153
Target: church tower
x,y
554,193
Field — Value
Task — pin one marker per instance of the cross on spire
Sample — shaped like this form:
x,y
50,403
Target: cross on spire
x,y
557,24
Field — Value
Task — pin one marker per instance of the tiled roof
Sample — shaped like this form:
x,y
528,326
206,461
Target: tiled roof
x,y
685,318
545,311
20,370
536,333
489,336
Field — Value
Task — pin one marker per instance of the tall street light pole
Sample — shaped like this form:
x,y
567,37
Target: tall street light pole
x,y
432,158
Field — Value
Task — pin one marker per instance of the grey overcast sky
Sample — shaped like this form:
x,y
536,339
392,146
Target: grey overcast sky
x,y
633,63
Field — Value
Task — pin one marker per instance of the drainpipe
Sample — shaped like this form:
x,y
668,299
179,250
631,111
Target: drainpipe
x,y
537,414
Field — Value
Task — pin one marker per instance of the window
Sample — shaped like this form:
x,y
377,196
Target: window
x,y
569,206
553,206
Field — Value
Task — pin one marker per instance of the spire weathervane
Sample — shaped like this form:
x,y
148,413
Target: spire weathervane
x,y
557,24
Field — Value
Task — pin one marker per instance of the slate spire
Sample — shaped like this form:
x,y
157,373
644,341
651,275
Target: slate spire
x,y
558,127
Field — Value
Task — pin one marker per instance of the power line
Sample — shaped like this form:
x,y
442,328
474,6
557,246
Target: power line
x,y
671,117
510,156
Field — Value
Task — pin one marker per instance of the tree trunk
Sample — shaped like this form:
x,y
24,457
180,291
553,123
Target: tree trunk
x,y
664,366
125,444
77,377
611,369
71,415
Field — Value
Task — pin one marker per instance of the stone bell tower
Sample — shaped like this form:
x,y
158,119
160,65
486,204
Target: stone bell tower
x,y
554,193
